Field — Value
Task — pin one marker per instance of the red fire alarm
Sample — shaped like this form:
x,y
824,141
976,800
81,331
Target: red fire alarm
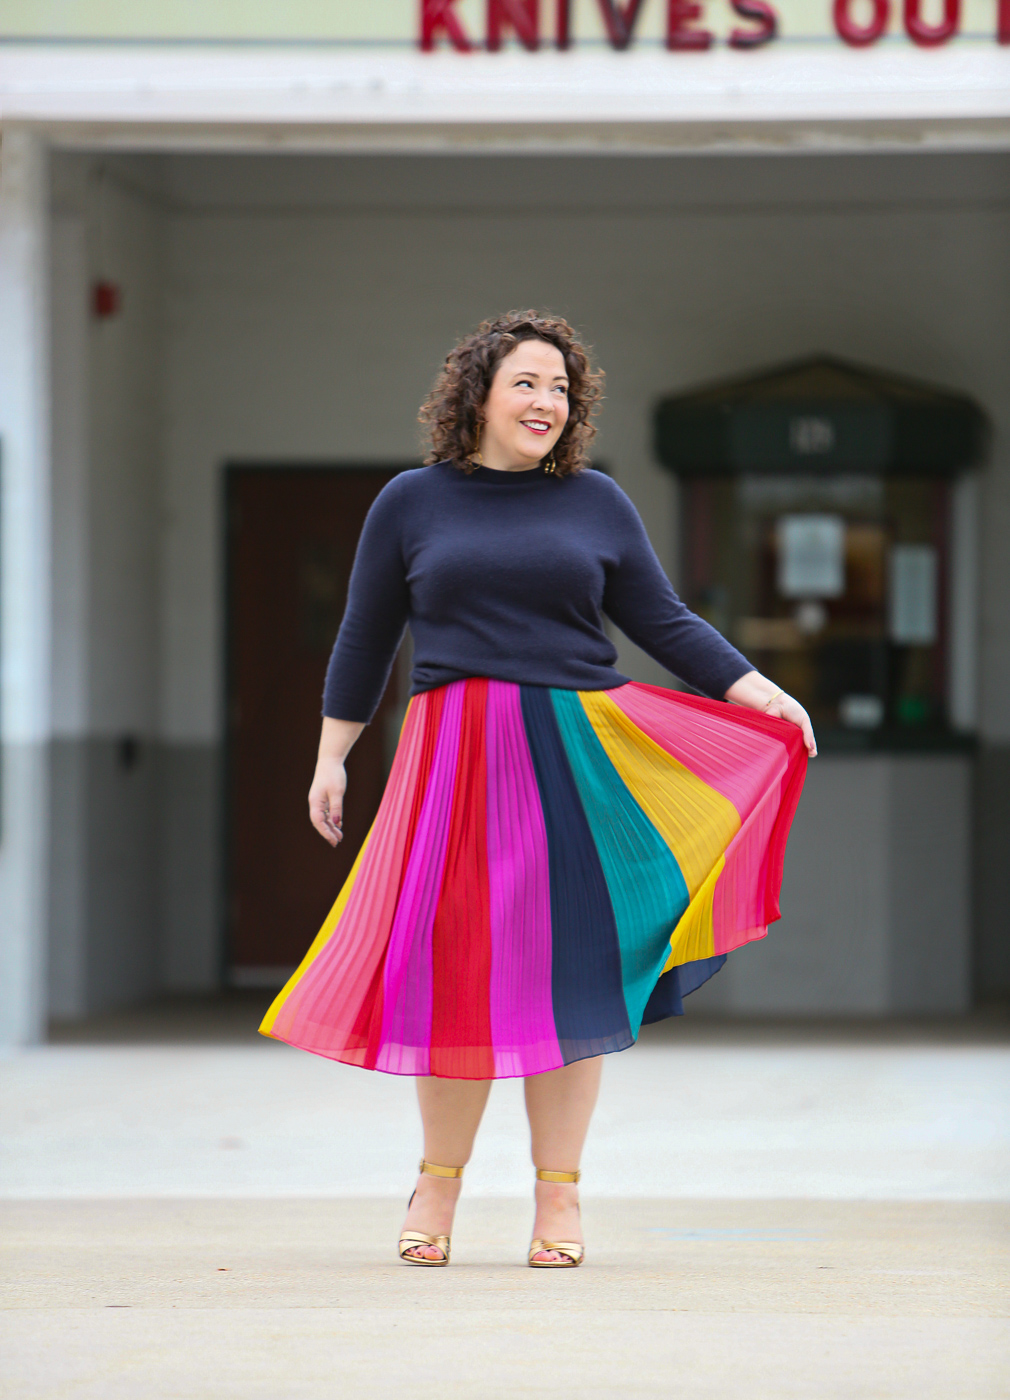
x,y
106,298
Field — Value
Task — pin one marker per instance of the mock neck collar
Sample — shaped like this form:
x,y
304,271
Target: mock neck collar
x,y
506,478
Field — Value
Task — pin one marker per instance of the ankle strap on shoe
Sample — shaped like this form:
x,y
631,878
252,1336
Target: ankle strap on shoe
x,y
558,1176
433,1169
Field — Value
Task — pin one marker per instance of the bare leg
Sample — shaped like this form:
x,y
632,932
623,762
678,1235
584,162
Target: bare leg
x,y
559,1105
451,1111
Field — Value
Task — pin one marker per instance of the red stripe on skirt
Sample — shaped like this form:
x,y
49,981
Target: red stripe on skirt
x,y
461,1046
369,1021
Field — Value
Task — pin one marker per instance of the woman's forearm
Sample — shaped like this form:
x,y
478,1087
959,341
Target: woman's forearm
x,y
753,690
337,739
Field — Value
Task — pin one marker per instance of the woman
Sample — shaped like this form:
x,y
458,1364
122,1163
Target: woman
x,y
560,854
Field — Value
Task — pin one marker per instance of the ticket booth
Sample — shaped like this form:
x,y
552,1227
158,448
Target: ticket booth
x,y
822,534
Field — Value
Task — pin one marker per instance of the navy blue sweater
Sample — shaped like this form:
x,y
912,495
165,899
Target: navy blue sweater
x,y
508,575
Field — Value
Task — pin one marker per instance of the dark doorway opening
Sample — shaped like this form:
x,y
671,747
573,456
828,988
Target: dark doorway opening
x,y
292,533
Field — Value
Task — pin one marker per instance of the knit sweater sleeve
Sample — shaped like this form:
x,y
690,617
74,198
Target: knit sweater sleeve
x,y
640,599
375,617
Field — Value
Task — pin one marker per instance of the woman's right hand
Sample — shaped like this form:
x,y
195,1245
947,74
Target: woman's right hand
x,y
326,795
326,800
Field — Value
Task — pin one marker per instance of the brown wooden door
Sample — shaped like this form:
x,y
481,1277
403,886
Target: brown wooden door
x,y
292,533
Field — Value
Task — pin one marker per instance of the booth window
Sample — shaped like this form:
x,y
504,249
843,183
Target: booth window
x,y
817,514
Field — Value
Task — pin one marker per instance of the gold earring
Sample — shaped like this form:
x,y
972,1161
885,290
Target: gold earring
x,y
550,465
475,456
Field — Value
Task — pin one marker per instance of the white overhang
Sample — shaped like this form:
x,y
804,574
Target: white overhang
x,y
318,96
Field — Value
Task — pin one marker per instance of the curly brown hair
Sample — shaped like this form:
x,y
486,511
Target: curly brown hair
x,y
452,411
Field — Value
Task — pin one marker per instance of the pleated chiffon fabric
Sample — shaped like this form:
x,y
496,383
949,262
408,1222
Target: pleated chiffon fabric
x,y
547,870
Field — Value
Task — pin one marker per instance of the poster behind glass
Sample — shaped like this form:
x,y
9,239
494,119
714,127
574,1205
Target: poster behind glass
x,y
834,586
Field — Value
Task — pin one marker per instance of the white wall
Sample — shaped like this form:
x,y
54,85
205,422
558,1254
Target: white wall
x,y
105,915
126,431
107,428
313,332
25,613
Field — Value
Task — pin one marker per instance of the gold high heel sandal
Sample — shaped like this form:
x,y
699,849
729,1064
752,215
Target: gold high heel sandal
x,y
411,1239
572,1252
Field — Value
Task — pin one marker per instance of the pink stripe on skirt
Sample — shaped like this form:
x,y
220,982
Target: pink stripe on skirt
x,y
407,988
323,1007
740,907
522,1015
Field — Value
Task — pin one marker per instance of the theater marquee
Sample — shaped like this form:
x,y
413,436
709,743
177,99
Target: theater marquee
x,y
463,26
858,23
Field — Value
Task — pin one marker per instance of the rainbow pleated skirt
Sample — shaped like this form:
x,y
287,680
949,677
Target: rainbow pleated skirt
x,y
547,870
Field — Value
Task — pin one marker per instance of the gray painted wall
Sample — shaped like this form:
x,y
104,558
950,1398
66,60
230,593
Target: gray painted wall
x,y
929,883
190,867
134,890
105,920
991,871
876,910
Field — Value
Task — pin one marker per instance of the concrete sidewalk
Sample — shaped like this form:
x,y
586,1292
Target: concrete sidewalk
x,y
682,1114
770,1213
173,1300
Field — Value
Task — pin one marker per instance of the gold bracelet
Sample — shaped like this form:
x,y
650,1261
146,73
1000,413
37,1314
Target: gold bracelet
x,y
771,700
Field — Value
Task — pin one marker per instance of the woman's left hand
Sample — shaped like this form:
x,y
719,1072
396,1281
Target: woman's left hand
x,y
757,692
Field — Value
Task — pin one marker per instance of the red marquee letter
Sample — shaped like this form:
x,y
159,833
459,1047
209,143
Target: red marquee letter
x,y
439,15
620,20
928,36
859,35
563,24
1003,22
522,15
679,14
764,17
